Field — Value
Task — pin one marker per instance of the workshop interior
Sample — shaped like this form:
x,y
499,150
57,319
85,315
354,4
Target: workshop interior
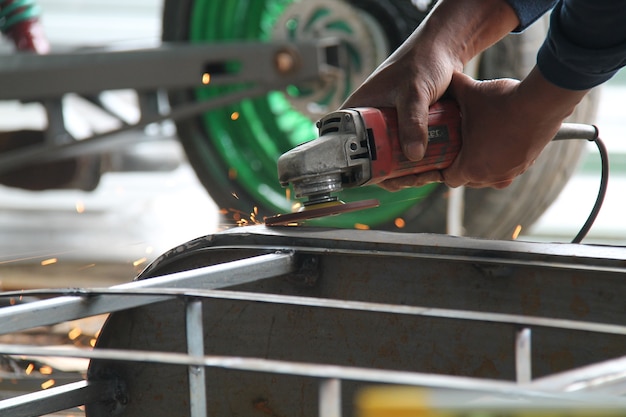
x,y
190,225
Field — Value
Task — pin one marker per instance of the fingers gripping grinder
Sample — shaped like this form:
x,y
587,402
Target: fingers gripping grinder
x,y
360,146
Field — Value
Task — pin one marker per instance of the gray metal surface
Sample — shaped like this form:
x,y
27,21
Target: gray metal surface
x,y
306,329
425,304
35,77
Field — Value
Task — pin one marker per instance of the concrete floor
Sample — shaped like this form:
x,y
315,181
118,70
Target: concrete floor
x,y
105,236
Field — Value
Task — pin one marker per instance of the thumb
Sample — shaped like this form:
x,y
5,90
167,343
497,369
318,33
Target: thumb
x,y
413,128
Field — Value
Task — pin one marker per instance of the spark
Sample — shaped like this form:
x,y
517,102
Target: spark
x,y
206,78
242,218
399,222
49,383
140,261
516,232
80,207
234,115
30,368
149,250
49,261
235,195
45,370
288,194
361,226
74,333
92,342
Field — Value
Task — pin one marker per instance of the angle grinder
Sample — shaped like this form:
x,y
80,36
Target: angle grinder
x,y
360,146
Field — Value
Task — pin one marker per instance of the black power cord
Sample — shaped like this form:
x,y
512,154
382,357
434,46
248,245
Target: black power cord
x,y
590,133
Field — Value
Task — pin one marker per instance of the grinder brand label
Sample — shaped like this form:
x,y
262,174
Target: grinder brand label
x,y
438,134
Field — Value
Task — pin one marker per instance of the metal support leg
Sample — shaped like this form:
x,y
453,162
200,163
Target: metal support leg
x,y
195,348
456,206
330,398
523,360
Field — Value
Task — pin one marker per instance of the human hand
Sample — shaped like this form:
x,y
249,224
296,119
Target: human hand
x,y
410,80
505,126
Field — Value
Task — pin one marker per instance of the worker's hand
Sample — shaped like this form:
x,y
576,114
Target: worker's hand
x,y
505,125
409,80
418,73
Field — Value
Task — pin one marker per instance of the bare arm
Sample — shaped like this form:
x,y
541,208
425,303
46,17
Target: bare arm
x,y
418,73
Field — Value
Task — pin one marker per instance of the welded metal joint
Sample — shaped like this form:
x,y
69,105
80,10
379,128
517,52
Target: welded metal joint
x,y
307,270
116,397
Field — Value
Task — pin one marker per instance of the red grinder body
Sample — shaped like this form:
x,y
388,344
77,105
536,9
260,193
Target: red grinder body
x,y
387,158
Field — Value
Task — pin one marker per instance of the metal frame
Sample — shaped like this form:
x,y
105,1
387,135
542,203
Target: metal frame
x,y
262,67
298,253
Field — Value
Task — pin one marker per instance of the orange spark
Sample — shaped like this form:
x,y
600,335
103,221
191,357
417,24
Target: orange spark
x,y
45,370
49,261
49,383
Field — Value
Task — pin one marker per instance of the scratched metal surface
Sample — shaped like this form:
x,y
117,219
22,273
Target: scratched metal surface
x,y
544,280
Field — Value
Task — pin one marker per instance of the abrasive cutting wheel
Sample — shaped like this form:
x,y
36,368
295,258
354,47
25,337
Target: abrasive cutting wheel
x,y
234,150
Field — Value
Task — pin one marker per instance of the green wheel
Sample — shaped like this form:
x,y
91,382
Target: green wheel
x,y
234,149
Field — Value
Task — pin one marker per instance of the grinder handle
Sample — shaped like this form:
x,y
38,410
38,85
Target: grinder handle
x,y
387,158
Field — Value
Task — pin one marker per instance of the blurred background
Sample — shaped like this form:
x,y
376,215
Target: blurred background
x,y
73,238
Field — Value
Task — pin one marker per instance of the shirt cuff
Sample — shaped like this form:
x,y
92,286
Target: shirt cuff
x,y
529,11
570,66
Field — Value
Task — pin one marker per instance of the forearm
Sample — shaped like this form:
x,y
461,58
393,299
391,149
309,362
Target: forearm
x,y
541,100
464,29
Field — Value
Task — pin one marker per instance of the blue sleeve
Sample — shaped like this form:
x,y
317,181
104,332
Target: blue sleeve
x,y
586,43
529,11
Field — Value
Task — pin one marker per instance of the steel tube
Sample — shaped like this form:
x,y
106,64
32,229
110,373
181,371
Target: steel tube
x,y
523,357
56,310
182,65
279,367
513,319
330,398
195,348
54,399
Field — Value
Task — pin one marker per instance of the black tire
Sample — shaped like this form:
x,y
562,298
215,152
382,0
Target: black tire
x,y
488,213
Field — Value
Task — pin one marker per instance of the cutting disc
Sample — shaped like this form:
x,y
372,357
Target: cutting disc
x,y
321,210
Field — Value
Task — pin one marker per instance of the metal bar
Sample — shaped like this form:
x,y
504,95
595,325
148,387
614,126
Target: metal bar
x,y
513,319
195,348
111,139
34,77
523,356
56,310
494,258
311,370
591,377
54,399
330,398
